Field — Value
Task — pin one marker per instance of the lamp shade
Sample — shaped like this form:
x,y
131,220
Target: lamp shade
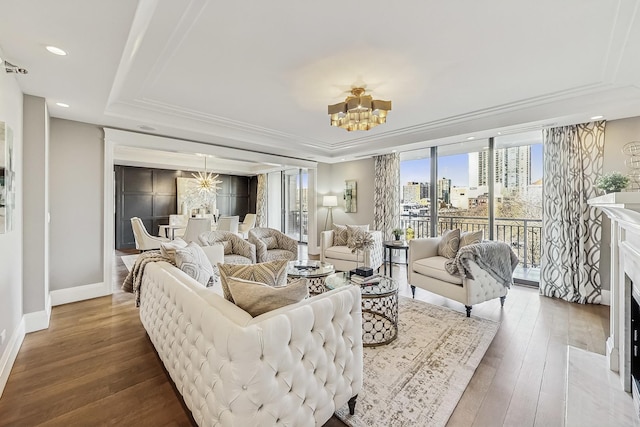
x,y
330,201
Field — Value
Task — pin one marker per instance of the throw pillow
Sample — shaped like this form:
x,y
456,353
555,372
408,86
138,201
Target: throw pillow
x,y
448,246
354,230
272,273
471,237
228,247
271,242
339,235
193,261
168,249
258,298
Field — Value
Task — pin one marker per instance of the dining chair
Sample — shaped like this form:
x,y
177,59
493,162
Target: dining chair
x,y
246,225
144,240
228,223
195,227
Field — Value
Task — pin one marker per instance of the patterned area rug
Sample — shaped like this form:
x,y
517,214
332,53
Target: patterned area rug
x,y
129,260
418,379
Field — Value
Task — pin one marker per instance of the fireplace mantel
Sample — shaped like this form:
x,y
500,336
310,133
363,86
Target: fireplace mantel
x,y
623,209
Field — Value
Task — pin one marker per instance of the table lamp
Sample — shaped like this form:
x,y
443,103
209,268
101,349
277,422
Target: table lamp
x,y
329,202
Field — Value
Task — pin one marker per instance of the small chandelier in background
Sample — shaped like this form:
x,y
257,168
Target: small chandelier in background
x,y
206,183
359,111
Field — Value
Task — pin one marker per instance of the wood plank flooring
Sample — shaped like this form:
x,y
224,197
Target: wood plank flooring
x,y
95,365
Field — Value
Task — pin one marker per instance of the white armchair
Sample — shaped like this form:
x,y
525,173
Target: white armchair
x,y
343,259
144,240
246,225
427,271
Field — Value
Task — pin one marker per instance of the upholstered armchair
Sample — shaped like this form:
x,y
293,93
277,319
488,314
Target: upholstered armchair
x,y
428,270
272,245
236,249
144,240
342,257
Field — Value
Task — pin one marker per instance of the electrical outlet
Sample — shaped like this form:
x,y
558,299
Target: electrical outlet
x,y
3,336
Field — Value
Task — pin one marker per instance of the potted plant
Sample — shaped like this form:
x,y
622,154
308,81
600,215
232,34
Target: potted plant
x,y
397,233
612,182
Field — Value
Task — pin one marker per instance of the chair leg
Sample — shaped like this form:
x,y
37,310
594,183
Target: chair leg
x,y
468,307
502,300
413,291
352,405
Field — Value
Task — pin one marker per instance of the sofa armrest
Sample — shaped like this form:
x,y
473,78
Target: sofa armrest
x,y
326,241
288,243
423,248
261,247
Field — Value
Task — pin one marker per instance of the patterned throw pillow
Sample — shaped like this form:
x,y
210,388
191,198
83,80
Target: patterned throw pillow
x,y
354,230
272,273
228,247
448,246
339,235
271,242
257,298
168,249
471,237
193,261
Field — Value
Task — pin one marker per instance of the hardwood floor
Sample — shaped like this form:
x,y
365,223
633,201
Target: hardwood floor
x,y
95,365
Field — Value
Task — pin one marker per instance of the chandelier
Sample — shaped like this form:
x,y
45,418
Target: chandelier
x,y
359,111
206,185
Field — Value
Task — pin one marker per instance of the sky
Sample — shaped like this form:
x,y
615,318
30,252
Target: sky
x,y
456,168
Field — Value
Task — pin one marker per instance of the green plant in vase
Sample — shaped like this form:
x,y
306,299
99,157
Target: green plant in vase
x,y
612,182
397,233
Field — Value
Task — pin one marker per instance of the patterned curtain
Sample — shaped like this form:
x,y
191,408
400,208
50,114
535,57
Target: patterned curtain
x,y
573,157
261,201
386,208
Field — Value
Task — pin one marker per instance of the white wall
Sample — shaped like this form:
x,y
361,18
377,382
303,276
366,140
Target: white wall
x,y
76,203
617,134
11,243
331,181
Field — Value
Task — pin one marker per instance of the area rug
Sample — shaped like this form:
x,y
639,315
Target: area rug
x,y
129,260
418,379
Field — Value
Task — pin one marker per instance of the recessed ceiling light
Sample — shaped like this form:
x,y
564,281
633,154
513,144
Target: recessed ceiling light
x,y
470,138
342,160
62,104
597,117
56,50
393,151
145,127
499,133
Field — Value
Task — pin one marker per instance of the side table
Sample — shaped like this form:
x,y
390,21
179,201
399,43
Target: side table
x,y
389,246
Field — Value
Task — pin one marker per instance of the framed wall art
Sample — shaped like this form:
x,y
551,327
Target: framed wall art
x,y
350,193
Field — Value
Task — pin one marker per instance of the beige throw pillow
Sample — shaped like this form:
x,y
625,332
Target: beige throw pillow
x,y
168,249
193,261
448,246
339,235
271,242
228,248
258,298
272,273
471,237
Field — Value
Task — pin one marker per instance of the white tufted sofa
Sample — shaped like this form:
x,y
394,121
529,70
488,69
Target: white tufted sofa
x,y
294,366
426,271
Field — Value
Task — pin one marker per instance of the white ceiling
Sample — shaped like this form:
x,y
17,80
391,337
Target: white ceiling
x,y
259,75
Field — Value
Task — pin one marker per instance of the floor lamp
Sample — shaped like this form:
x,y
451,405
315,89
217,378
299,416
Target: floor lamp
x,y
329,202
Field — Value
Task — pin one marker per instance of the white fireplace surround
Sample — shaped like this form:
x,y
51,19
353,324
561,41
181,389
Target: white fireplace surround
x,y
624,211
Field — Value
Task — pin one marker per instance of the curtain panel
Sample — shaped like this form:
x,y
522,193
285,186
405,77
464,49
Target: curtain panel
x,y
386,208
571,230
261,201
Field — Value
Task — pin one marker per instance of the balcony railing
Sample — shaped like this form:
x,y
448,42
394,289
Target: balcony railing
x,y
523,234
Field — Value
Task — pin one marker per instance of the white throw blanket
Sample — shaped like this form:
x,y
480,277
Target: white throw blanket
x,y
496,258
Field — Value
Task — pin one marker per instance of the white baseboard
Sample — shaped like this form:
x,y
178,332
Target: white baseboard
x,y
606,298
79,293
38,320
10,354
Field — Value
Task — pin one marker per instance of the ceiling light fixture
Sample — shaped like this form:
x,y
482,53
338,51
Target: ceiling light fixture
x,y
359,111
56,50
206,183
470,138
597,117
62,104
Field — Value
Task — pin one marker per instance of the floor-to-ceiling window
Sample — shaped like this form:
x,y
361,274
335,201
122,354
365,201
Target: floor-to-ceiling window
x,y
494,185
294,204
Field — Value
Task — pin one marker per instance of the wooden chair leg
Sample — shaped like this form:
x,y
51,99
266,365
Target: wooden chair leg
x,y
352,405
502,300
413,291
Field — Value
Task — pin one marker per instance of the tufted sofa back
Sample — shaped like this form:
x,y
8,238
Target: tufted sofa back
x,y
293,366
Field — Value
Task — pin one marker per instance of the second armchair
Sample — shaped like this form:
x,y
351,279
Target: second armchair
x,y
272,244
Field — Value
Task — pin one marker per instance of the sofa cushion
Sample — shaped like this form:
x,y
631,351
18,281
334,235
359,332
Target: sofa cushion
x,y
434,267
343,253
236,259
168,249
448,246
271,242
471,237
257,298
228,247
275,254
272,273
193,261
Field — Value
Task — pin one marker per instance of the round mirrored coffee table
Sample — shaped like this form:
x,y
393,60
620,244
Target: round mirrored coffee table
x,y
314,271
379,307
